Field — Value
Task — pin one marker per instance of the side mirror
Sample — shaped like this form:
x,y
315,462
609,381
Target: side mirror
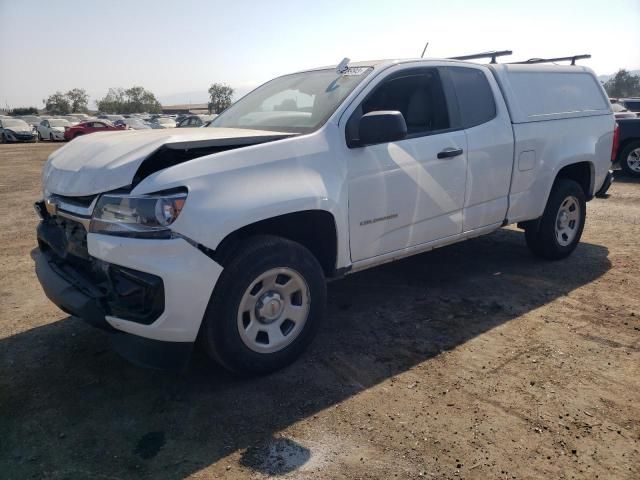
x,y
381,127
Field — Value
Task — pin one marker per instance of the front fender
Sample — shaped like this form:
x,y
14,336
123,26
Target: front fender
x,y
233,189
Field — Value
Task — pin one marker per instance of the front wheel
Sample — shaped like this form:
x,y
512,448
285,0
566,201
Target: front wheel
x,y
630,159
557,233
266,306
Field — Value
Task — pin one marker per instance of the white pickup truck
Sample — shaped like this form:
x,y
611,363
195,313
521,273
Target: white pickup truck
x,y
227,234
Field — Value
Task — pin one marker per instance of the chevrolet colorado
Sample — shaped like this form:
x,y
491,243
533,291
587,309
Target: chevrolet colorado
x,y
227,234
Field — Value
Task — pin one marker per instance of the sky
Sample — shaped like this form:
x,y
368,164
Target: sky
x,y
178,48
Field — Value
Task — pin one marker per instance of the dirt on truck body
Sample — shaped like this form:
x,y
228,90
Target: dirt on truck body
x,y
472,361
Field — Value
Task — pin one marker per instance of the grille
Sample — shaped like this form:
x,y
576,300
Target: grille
x,y
77,205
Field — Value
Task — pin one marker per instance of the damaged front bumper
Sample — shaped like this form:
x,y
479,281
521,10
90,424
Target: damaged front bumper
x,y
150,294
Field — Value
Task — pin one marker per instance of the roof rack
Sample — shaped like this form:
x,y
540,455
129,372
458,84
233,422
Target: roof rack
x,y
573,59
492,55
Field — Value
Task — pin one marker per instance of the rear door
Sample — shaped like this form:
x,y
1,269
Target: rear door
x,y
483,114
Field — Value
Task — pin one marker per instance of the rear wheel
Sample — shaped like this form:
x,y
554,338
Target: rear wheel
x,y
78,135
630,159
266,306
557,233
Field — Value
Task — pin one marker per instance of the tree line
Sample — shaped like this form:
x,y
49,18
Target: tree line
x,y
117,100
623,84
136,99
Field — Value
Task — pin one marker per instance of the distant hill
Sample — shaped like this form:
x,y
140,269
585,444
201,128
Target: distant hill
x,y
604,78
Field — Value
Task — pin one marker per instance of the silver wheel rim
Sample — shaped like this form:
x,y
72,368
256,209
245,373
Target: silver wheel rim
x,y
568,221
633,160
273,310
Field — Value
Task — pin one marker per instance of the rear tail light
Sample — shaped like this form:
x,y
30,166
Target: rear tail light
x,y
616,143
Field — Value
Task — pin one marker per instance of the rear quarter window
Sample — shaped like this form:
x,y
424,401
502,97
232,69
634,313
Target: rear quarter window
x,y
475,98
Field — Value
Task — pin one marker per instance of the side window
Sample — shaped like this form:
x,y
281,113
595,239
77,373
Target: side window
x,y
417,94
475,98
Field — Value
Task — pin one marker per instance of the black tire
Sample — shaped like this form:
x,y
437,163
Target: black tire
x,y
220,334
2,138
541,235
39,136
79,134
624,158
51,139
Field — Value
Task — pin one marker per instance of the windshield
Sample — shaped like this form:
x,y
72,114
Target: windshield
x,y
297,103
14,123
58,122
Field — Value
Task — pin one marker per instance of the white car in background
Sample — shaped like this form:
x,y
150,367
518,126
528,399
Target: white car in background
x,y
52,129
162,122
619,111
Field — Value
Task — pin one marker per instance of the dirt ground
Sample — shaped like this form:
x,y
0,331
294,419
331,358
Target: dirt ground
x,y
472,361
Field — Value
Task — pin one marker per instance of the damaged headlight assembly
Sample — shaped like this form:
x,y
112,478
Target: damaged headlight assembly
x,y
139,216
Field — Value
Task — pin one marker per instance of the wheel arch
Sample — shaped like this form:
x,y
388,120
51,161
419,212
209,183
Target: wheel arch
x,y
314,229
582,173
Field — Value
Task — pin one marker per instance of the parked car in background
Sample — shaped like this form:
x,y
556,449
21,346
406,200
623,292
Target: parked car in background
x,y
195,121
72,119
91,126
627,153
133,123
621,112
32,120
16,130
162,122
631,104
111,118
52,129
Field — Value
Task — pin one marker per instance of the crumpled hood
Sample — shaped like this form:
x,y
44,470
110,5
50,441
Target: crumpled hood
x,y
105,161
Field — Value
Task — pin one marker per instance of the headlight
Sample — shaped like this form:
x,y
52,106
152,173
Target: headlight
x,y
143,216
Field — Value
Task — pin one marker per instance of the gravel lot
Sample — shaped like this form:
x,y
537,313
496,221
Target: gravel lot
x,y
473,361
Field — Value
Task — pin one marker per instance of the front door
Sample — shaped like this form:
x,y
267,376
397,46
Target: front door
x,y
412,191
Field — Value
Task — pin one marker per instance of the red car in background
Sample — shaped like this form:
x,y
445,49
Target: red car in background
x,y
91,126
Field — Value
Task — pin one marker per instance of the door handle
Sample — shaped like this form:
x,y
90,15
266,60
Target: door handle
x,y
450,153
